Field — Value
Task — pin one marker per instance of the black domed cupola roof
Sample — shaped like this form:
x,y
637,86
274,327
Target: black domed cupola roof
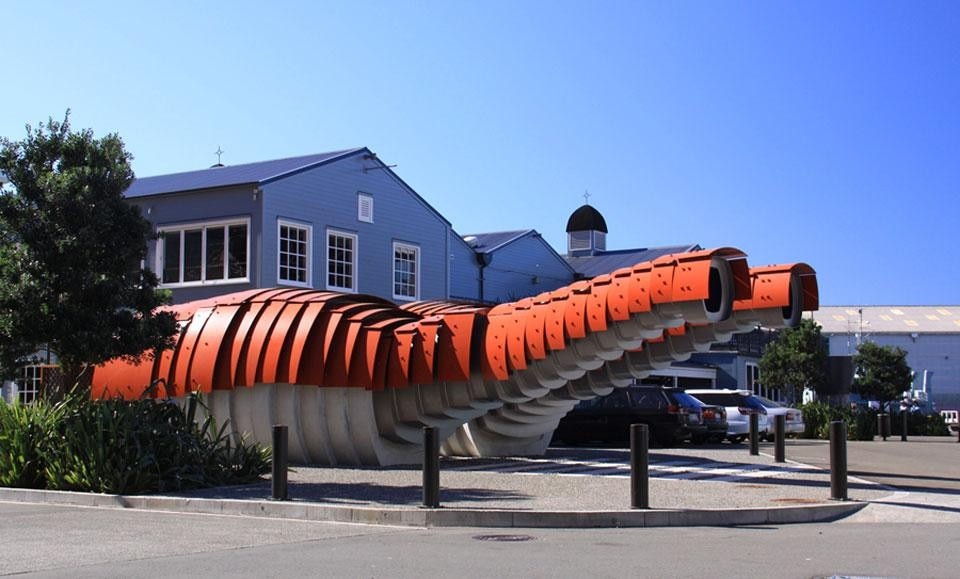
x,y
586,218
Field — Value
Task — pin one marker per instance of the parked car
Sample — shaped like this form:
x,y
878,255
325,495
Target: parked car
x,y
952,419
794,417
713,419
608,418
739,404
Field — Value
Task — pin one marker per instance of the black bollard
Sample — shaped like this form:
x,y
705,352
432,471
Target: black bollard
x,y
838,460
639,467
903,426
754,434
882,425
780,433
887,431
280,459
431,468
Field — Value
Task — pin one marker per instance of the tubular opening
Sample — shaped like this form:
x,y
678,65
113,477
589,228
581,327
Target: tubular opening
x,y
793,311
719,303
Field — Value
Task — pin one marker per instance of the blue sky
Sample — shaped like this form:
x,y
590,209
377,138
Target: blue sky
x,y
825,132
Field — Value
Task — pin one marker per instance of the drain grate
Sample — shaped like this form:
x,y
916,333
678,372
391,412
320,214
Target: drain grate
x,y
504,538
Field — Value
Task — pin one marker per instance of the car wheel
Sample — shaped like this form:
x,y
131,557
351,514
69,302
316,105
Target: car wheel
x,y
737,439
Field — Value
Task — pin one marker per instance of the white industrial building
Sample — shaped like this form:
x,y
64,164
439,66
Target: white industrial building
x,y
929,334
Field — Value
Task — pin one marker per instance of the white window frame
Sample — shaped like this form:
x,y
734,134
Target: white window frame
x,y
308,269
30,381
752,376
354,277
180,229
361,216
400,246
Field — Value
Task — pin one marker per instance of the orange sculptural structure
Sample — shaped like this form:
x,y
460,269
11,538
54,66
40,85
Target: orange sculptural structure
x,y
355,377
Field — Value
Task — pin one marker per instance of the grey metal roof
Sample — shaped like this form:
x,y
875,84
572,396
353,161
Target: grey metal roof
x,y
253,173
888,319
487,242
608,261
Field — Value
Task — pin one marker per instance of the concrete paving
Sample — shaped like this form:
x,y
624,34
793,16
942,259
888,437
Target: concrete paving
x,y
891,481
569,487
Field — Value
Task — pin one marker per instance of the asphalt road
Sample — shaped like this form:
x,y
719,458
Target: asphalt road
x,y
921,464
72,542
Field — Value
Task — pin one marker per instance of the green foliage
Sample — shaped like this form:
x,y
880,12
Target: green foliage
x,y
817,416
920,424
71,250
797,359
882,372
24,432
125,447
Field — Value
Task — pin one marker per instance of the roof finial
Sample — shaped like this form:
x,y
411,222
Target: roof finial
x,y
218,153
586,197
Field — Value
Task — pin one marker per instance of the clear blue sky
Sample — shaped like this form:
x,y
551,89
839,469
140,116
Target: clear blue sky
x,y
825,132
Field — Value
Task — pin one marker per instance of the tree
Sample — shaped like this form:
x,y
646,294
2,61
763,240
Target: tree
x,y
797,359
71,253
882,372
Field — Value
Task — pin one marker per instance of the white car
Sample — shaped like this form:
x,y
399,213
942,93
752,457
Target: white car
x,y
794,417
952,419
740,404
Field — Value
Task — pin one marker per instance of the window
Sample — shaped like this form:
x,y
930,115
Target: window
x,y
204,253
293,257
341,261
406,271
365,207
31,381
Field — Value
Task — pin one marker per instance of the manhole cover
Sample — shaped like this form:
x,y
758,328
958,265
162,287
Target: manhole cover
x,y
504,538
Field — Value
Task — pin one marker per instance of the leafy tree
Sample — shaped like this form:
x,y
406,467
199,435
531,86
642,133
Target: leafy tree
x,y
882,372
797,359
71,253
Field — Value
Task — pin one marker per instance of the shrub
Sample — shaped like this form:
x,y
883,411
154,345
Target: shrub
x,y
127,447
23,433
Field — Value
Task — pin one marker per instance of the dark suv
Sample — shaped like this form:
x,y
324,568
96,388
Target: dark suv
x,y
608,419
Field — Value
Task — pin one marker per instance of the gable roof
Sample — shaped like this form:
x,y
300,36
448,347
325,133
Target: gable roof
x,y
250,173
490,242
608,261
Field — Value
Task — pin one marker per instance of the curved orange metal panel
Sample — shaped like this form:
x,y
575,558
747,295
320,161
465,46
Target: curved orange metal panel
x,y
535,331
597,314
454,346
618,296
350,340
575,311
639,288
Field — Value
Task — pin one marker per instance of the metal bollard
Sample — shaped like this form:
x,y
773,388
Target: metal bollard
x,y
431,468
887,431
780,432
280,456
881,426
754,434
903,426
838,460
639,466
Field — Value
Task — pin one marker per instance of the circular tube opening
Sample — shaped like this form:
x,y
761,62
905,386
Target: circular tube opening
x,y
794,310
719,302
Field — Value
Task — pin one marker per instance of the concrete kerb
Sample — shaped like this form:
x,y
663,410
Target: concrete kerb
x,y
445,517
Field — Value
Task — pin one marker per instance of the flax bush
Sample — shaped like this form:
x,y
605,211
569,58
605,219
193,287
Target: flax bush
x,y
24,432
124,447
